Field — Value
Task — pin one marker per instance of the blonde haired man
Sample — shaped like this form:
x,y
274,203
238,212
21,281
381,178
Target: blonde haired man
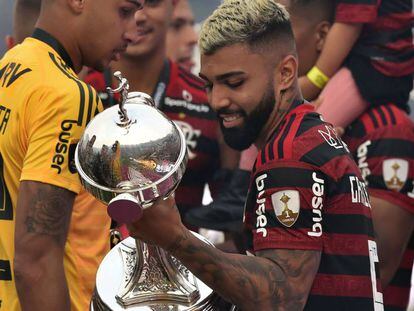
x,y
310,240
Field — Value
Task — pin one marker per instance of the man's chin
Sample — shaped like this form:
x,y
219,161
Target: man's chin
x,y
100,66
237,140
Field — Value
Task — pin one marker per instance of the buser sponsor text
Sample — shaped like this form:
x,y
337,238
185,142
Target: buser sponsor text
x,y
318,190
261,221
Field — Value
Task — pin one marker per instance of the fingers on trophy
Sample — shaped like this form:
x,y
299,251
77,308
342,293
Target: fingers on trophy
x,y
128,157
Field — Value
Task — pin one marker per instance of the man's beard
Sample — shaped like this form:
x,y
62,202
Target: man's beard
x,y
241,138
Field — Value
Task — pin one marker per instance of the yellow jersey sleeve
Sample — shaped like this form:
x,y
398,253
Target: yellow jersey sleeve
x,y
54,125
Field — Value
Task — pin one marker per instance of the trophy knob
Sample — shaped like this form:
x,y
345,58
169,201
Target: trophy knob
x,y
124,209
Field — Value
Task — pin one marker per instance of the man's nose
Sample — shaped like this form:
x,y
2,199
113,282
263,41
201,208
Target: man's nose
x,y
218,99
140,15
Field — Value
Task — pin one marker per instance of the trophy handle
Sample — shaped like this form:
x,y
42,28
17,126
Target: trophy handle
x,y
124,209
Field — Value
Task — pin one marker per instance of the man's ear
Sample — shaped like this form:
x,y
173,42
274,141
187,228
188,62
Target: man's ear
x,y
76,6
9,41
322,30
286,73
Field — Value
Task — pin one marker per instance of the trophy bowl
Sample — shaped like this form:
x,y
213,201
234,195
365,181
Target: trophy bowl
x,y
131,155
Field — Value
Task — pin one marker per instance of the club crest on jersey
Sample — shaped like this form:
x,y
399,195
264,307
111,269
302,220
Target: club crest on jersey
x,y
395,173
286,205
187,96
331,137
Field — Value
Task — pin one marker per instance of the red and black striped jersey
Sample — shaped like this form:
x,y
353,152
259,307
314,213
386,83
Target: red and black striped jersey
x,y
307,193
186,104
184,101
386,37
382,143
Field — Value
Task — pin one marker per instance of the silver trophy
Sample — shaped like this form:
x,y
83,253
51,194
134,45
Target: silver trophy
x,y
128,157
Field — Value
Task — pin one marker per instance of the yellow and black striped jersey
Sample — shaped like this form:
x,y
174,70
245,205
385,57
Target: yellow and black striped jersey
x,y
44,109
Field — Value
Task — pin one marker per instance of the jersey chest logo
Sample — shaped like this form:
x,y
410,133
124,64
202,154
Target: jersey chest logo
x,y
191,137
395,173
286,205
332,139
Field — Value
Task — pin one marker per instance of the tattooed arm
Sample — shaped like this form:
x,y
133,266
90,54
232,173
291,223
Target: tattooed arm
x,y
274,280
42,221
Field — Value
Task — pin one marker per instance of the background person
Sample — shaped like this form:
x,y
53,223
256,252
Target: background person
x,y
46,220
368,59
380,138
25,15
181,36
179,94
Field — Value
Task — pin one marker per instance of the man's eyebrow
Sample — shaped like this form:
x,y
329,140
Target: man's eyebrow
x,y
223,76
138,3
229,75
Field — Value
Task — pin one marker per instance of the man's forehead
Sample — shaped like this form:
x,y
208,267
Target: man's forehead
x,y
183,6
231,54
233,58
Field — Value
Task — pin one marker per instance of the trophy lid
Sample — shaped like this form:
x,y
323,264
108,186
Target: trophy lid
x,y
131,148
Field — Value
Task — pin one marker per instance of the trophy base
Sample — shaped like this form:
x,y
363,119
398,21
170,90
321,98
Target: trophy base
x,y
135,276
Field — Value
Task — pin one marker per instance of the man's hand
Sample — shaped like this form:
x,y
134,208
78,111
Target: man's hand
x,y
160,224
308,89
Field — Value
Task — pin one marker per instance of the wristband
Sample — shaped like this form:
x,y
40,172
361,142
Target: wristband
x,y
317,77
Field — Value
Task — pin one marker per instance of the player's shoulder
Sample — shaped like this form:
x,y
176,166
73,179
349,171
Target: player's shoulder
x,y
381,121
304,137
21,63
33,67
303,131
322,147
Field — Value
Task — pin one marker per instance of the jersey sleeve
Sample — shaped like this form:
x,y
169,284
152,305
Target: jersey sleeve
x,y
356,11
388,168
285,206
54,123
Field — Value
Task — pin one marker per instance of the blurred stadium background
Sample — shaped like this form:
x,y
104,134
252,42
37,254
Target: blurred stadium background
x,y
202,8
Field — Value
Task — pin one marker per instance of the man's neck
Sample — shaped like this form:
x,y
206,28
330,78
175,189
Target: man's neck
x,y
63,36
142,73
283,106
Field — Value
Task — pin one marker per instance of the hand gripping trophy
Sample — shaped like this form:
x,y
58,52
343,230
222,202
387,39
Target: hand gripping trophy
x,y
128,157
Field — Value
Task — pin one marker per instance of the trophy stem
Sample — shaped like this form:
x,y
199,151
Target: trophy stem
x,y
151,275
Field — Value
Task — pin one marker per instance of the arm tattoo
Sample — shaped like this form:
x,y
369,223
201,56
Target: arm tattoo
x,y
49,213
275,280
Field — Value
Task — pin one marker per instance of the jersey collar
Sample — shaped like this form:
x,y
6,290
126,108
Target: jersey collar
x,y
297,106
47,38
